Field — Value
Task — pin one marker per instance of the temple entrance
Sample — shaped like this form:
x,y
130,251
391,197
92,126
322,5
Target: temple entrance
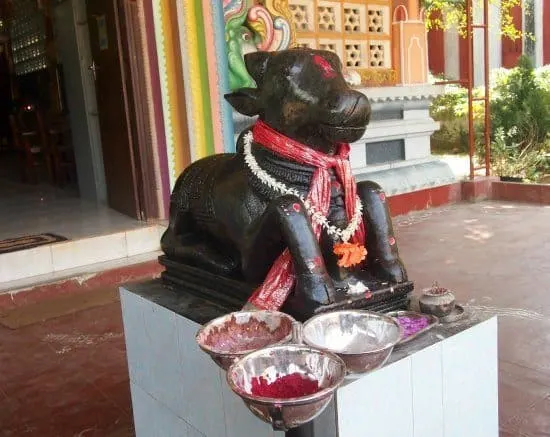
x,y
114,97
71,154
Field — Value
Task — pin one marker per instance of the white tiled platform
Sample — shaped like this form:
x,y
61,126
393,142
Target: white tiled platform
x,y
96,233
448,389
177,390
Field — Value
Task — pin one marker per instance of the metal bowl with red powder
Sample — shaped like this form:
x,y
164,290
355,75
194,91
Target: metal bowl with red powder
x,y
286,385
228,338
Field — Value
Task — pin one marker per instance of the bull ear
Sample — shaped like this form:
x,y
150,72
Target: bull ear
x,y
245,100
256,64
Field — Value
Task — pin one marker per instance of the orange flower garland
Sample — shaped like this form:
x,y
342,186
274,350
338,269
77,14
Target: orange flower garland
x,y
350,254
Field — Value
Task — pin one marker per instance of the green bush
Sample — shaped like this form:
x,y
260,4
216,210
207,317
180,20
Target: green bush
x,y
520,121
520,106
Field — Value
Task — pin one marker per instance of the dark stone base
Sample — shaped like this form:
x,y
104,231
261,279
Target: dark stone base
x,y
234,294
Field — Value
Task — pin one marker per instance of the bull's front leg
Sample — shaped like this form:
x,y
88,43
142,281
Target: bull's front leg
x,y
383,259
285,224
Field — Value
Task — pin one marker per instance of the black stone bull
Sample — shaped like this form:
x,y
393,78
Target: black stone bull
x,y
223,219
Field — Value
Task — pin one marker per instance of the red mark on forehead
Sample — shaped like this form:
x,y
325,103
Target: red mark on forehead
x,y
324,65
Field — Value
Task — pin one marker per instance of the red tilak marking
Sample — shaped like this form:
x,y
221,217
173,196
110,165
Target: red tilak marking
x,y
317,261
296,207
328,71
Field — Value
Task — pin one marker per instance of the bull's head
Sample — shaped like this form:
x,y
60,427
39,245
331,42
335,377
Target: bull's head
x,y
302,93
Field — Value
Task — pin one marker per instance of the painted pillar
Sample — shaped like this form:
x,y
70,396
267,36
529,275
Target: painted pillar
x,y
154,97
410,46
193,78
436,47
173,96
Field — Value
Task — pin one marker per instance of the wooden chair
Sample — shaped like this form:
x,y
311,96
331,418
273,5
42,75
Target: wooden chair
x,y
61,150
30,140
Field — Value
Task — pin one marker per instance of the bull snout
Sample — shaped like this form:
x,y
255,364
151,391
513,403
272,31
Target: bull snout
x,y
347,116
359,114
349,109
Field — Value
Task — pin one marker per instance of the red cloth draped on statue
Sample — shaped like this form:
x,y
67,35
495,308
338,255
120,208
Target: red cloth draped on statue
x,y
280,278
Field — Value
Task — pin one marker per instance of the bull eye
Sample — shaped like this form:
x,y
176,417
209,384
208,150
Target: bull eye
x,y
246,36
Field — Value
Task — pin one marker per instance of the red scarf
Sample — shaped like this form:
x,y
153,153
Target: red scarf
x,y
280,279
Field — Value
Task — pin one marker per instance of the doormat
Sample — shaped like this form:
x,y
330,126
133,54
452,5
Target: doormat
x,y
28,242
38,312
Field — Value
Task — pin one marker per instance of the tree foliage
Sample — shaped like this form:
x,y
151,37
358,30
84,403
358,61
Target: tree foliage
x,y
446,14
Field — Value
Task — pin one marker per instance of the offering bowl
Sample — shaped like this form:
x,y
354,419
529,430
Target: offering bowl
x,y
363,339
230,337
273,363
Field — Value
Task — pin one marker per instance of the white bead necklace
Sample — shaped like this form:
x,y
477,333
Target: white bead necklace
x,y
342,234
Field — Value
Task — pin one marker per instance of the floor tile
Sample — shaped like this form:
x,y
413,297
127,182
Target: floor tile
x,y
494,255
31,209
534,422
520,389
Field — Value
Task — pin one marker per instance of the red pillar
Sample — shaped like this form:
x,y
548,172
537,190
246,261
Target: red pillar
x,y
436,48
512,50
546,32
463,56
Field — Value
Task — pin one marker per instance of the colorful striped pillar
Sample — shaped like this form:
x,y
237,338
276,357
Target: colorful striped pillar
x,y
223,76
194,78
173,104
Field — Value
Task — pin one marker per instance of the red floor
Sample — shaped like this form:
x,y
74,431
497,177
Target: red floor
x,y
68,376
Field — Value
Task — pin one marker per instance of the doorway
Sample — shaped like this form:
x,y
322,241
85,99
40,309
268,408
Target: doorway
x,y
80,74
109,68
91,76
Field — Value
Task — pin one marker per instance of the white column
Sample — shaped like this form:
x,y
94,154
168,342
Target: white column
x,y
479,60
539,28
495,37
452,54
495,41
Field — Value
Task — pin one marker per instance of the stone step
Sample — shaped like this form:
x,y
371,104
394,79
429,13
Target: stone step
x,y
79,280
58,257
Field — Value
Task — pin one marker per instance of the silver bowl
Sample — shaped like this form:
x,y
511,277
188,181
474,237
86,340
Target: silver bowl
x,y
276,361
363,339
242,335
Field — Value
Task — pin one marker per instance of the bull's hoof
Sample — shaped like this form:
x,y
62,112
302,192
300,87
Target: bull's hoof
x,y
393,272
311,292
316,288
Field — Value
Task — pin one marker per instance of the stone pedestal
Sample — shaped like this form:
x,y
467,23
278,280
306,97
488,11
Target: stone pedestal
x,y
442,384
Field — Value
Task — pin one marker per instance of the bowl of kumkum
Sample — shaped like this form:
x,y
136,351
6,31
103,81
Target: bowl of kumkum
x,y
413,323
287,385
230,337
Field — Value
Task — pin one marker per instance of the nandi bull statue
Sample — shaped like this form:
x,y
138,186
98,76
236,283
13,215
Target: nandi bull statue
x,y
282,220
